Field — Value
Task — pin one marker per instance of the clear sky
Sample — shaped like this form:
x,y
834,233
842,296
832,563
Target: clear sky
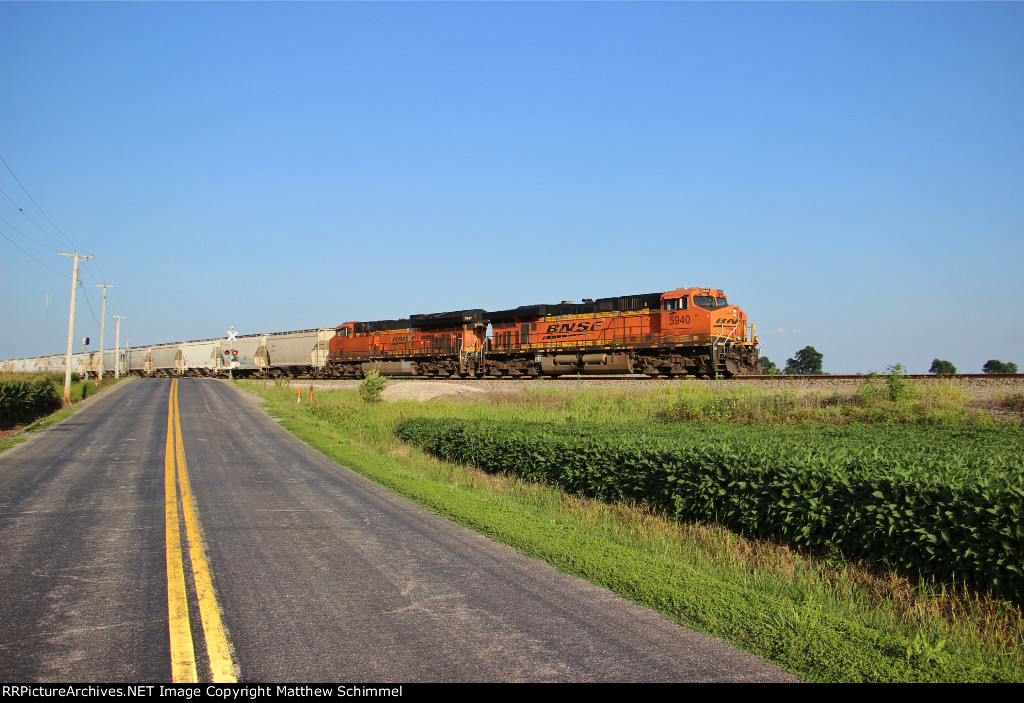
x,y
851,174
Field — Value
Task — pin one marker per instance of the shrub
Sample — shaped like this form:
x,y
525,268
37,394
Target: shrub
x,y
372,386
900,387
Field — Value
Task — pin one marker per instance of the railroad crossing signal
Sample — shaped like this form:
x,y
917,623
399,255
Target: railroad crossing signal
x,y
231,354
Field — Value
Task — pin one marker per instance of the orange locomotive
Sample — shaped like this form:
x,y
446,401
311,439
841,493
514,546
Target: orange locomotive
x,y
687,331
442,344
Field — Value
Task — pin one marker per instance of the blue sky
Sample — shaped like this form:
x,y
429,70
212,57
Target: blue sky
x,y
852,174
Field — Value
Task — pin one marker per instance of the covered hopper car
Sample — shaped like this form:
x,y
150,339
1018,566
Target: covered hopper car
x,y
262,355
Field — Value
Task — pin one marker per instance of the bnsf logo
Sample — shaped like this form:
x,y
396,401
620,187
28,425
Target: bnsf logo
x,y
575,327
726,321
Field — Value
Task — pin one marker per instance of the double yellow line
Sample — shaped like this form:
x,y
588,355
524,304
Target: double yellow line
x,y
183,658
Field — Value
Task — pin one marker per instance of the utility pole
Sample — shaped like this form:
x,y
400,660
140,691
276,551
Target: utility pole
x,y
117,347
71,325
103,323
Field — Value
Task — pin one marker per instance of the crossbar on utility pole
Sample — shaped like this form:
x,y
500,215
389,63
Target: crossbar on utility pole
x,y
71,325
103,323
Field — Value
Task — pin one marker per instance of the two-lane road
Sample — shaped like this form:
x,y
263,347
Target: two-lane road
x,y
317,574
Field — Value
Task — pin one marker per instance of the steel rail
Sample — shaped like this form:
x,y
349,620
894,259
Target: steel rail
x,y
789,378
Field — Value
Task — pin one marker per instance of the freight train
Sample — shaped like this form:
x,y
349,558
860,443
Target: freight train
x,y
682,332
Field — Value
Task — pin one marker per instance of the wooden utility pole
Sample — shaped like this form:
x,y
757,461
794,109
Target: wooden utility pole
x,y
117,347
103,326
71,325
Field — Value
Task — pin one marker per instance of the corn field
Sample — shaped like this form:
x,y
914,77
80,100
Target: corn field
x,y
24,400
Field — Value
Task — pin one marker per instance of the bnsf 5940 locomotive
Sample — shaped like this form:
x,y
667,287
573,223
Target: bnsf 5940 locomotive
x,y
687,331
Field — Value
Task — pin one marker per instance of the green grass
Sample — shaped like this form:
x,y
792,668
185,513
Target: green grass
x,y
817,615
875,400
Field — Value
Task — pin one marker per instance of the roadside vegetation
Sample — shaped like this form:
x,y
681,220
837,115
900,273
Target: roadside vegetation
x,y
815,608
30,401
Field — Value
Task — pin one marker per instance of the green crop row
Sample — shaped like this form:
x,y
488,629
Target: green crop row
x,y
21,401
944,502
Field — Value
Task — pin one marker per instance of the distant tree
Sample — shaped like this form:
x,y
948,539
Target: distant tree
x,y
807,361
942,366
768,366
996,366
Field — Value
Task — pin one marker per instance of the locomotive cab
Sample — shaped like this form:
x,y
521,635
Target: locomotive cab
x,y
704,312
677,314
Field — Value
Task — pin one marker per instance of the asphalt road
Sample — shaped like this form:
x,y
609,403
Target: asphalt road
x,y
318,574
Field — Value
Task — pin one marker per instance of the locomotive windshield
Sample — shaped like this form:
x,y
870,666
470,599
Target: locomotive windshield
x,y
709,302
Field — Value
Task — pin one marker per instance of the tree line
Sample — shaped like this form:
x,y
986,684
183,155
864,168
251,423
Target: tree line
x,y
808,361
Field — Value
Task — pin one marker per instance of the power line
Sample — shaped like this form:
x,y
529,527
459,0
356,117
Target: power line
x,y
29,218
104,277
120,304
32,257
37,204
52,224
86,292
27,237
89,304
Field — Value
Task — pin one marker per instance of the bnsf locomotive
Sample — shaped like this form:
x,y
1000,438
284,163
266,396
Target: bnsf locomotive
x,y
687,331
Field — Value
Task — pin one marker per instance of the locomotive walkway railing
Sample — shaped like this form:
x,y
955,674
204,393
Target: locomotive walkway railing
x,y
619,341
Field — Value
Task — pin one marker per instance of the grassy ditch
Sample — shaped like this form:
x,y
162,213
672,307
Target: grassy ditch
x,y
31,401
816,614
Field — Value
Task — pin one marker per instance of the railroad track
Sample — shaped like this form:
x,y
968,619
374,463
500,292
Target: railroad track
x,y
785,378
856,376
